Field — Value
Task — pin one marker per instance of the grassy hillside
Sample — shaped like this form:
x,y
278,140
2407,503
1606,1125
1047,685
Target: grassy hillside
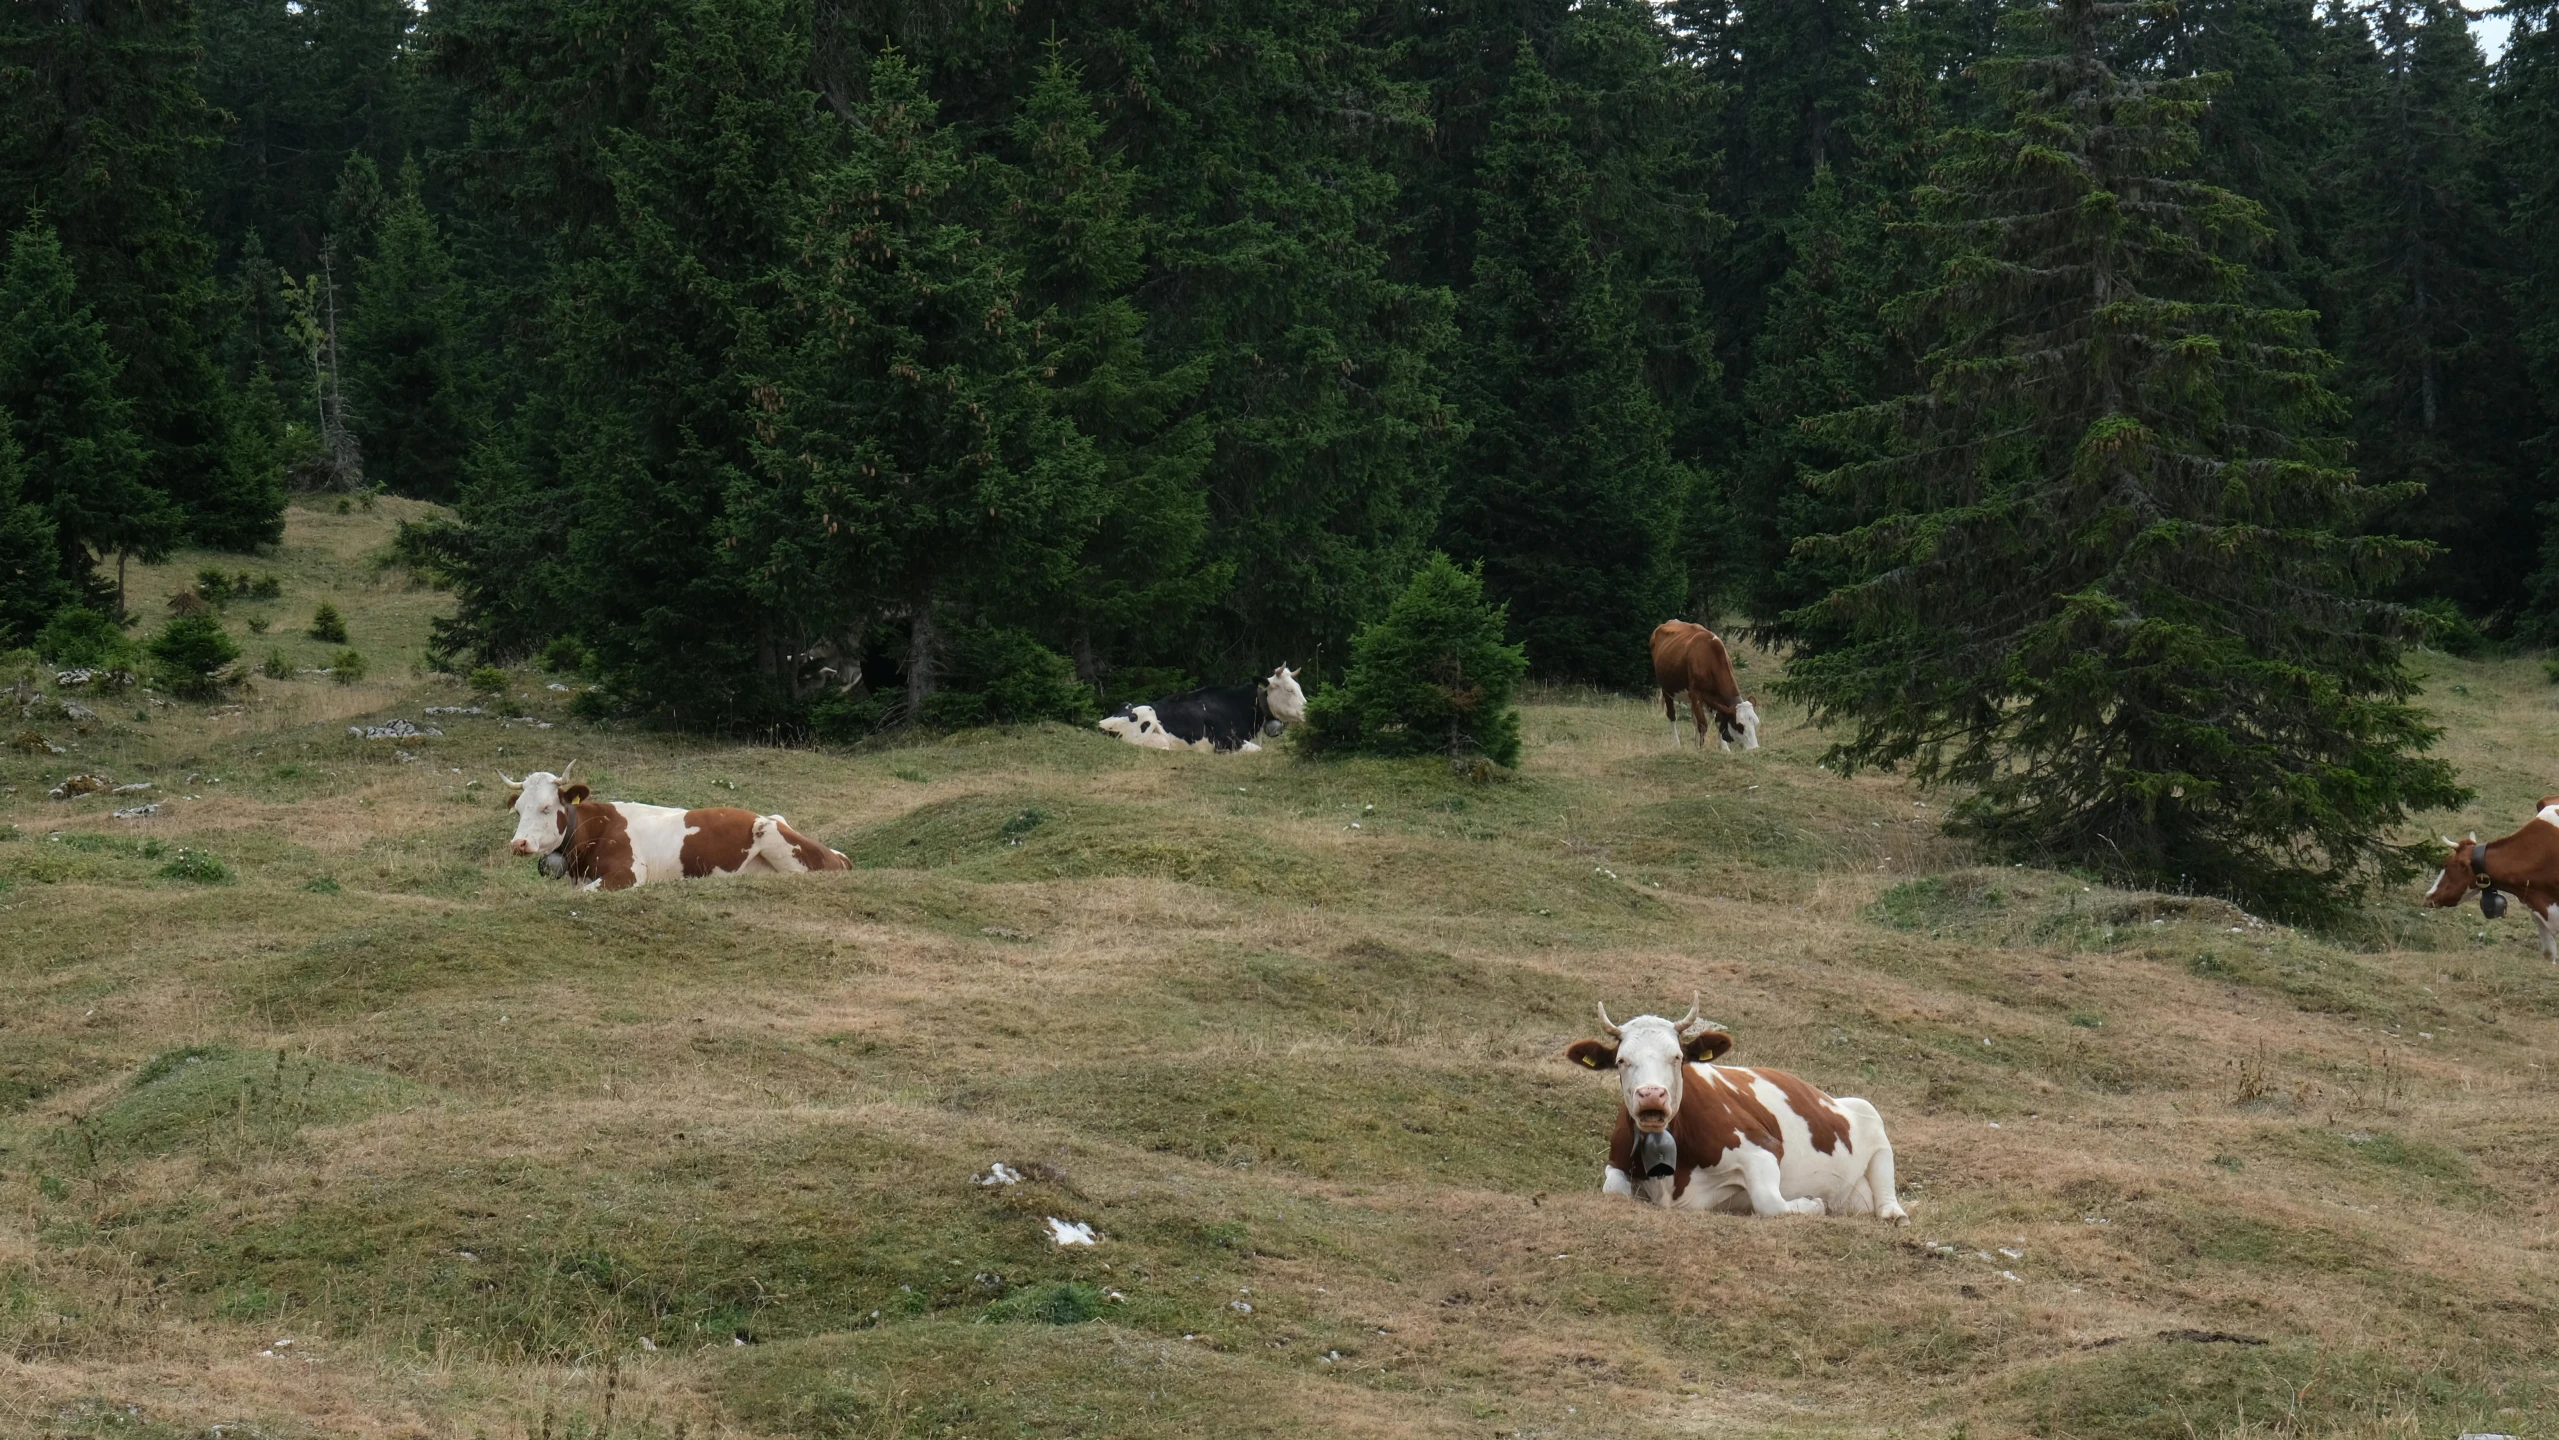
x,y
501,1158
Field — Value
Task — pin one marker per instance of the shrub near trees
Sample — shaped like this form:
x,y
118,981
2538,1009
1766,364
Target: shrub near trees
x,y
1432,677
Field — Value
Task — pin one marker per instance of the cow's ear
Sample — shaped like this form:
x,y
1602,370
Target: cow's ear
x,y
572,794
512,796
1705,1046
1593,1054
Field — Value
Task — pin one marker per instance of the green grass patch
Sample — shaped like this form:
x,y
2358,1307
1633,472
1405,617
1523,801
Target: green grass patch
x,y
214,1095
2173,1387
1940,902
946,1378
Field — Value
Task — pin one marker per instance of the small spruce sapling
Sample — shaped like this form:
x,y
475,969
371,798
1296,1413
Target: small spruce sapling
x,y
327,625
1433,677
189,651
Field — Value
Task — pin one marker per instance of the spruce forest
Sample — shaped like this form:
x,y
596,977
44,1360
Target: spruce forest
x,y
2094,403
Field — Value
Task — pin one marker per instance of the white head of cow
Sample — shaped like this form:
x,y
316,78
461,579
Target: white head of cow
x,y
541,803
1743,725
1287,701
1651,1055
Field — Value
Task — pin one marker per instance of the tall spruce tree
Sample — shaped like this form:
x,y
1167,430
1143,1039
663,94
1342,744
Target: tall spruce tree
x,y
1071,219
1568,495
649,181
909,463
401,334
1827,346
59,390
2116,585
104,132
2421,275
2526,134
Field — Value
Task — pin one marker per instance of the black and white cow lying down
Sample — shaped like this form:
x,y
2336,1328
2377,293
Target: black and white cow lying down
x,y
1215,717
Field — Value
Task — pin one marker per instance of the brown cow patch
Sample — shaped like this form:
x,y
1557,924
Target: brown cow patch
x,y
1829,1128
717,842
812,854
1717,1112
601,848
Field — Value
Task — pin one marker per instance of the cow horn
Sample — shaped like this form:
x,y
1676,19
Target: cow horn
x,y
565,769
2448,841
1607,1024
1690,1018
511,780
2474,837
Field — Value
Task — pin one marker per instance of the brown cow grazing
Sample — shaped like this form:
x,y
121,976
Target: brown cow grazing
x,y
614,845
2524,865
1691,660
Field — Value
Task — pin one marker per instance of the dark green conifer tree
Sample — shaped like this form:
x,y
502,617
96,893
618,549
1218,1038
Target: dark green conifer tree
x,y
1568,495
2525,131
911,468
31,587
650,182
2115,584
2421,277
1826,345
105,135
58,388
403,375
1070,216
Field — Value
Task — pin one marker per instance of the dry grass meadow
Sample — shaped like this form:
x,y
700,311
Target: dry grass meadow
x,y
501,1159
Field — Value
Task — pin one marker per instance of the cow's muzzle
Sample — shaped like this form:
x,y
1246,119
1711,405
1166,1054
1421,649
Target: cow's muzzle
x,y
1652,1109
520,847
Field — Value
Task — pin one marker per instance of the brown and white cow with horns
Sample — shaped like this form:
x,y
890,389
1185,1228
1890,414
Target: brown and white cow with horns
x,y
614,845
1695,1135
2524,865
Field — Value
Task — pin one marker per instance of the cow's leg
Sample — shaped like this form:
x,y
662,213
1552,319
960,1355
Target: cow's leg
x,y
1616,1183
2549,922
1759,1179
1670,709
1698,710
1879,1177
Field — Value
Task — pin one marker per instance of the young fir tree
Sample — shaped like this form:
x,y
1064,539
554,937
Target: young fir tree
x,y
31,587
909,460
1431,676
2116,585
400,338
58,386
1070,216
1568,495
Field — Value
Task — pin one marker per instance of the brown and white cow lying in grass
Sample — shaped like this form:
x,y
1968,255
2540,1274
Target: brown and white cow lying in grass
x,y
1694,1135
614,845
2524,865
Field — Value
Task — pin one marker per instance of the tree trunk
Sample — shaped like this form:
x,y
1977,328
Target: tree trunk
x,y
920,659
